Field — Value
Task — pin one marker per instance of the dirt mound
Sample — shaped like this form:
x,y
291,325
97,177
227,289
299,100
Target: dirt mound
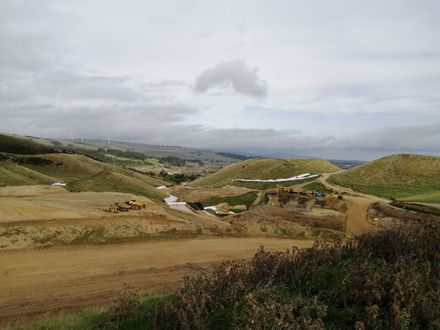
x,y
276,221
385,216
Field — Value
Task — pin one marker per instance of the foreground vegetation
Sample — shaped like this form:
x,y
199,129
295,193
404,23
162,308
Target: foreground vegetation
x,y
389,280
397,176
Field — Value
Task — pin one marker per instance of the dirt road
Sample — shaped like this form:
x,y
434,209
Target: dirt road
x,y
33,282
357,207
323,179
356,219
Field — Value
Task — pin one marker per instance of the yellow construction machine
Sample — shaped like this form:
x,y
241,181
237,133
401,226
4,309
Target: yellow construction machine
x,y
118,207
132,204
135,204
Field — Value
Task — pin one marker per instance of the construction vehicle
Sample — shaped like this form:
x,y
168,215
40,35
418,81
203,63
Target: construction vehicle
x,y
135,204
118,207
123,207
113,208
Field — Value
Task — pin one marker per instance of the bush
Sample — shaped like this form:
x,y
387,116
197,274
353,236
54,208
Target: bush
x,y
390,280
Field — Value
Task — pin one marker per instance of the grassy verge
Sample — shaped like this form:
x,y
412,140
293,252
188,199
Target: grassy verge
x,y
430,197
417,208
318,187
245,199
132,312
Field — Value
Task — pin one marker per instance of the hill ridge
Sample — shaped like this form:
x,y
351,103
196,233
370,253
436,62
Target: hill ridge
x,y
395,176
266,168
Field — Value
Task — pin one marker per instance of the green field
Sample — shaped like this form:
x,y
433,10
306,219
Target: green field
x,y
400,176
264,169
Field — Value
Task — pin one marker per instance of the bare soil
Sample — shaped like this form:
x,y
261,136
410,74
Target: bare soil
x,y
48,216
35,282
357,216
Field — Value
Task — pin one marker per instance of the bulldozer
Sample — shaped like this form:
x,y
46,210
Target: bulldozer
x,y
132,204
123,207
113,208
118,207
135,204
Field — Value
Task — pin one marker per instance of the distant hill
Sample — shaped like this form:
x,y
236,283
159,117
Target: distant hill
x,y
346,164
20,145
263,168
397,176
79,172
154,151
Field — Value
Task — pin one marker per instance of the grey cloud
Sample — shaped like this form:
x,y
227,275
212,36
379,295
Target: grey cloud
x,y
426,137
243,79
141,121
420,139
318,59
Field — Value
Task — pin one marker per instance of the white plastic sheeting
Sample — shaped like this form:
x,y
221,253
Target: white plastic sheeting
x,y
293,178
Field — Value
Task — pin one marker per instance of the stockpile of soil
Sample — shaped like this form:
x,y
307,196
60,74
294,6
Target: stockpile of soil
x,y
385,216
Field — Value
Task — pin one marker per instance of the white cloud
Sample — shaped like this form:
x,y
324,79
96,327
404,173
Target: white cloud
x,y
236,74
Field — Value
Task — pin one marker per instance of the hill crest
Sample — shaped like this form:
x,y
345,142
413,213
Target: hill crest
x,y
395,176
266,168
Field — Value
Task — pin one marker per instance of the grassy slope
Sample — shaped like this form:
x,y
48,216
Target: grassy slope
x,y
429,197
396,176
80,172
265,169
15,175
245,199
149,150
317,186
20,145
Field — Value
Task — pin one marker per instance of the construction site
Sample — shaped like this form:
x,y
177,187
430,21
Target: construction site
x,y
150,233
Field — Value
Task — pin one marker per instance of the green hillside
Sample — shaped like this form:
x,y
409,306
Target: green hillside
x,y
154,151
20,145
265,169
80,172
396,176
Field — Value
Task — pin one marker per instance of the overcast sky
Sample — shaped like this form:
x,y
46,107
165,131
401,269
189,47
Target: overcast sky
x,y
335,79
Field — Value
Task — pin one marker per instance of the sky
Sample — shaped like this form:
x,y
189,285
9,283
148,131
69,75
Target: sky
x,y
340,79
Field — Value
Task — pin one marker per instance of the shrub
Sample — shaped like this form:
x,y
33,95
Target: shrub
x,y
389,280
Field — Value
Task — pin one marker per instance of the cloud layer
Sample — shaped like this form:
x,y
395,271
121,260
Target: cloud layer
x,y
343,77
236,74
